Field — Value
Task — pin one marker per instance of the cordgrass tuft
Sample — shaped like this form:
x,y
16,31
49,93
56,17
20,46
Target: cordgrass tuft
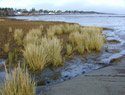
x,y
18,35
18,82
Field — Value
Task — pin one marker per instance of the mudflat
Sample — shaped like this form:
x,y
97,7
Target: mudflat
x,y
106,81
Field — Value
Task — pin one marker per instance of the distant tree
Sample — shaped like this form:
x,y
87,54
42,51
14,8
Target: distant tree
x,y
41,10
67,11
33,10
46,11
25,11
59,11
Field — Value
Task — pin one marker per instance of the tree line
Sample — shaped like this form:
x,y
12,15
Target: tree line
x,y
11,11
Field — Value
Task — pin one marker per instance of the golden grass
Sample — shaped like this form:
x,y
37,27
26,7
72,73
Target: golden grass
x,y
53,30
18,35
48,51
62,29
54,51
35,32
41,27
41,51
10,29
36,56
33,36
5,35
10,58
6,48
88,38
33,52
69,49
45,40
15,55
71,28
18,82
2,20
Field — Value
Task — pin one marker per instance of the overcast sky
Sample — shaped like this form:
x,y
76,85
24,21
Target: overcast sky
x,y
109,6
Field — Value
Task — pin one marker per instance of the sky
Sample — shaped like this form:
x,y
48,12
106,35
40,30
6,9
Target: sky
x,y
108,6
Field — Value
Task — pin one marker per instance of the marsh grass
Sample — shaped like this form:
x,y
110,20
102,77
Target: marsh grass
x,y
62,29
54,51
15,55
18,82
35,32
10,29
6,47
88,38
18,35
41,51
71,28
36,56
1,20
48,40
48,51
33,36
41,27
10,58
51,31
69,49
19,24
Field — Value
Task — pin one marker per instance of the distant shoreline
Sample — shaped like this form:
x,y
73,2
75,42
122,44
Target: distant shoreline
x,y
65,14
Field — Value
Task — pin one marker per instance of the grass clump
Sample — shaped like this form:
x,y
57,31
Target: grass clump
x,y
69,49
53,30
15,55
35,32
2,20
33,36
18,35
10,29
6,48
88,38
35,55
54,51
48,51
18,82
77,41
71,28
10,58
41,27
62,29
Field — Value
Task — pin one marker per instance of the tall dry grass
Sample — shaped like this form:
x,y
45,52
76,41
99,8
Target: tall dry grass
x,y
10,29
62,29
33,36
18,35
71,28
41,28
88,38
51,31
54,49
6,47
36,56
69,49
18,82
10,58
40,52
1,20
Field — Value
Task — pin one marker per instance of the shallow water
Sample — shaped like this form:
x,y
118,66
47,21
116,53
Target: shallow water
x,y
91,61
